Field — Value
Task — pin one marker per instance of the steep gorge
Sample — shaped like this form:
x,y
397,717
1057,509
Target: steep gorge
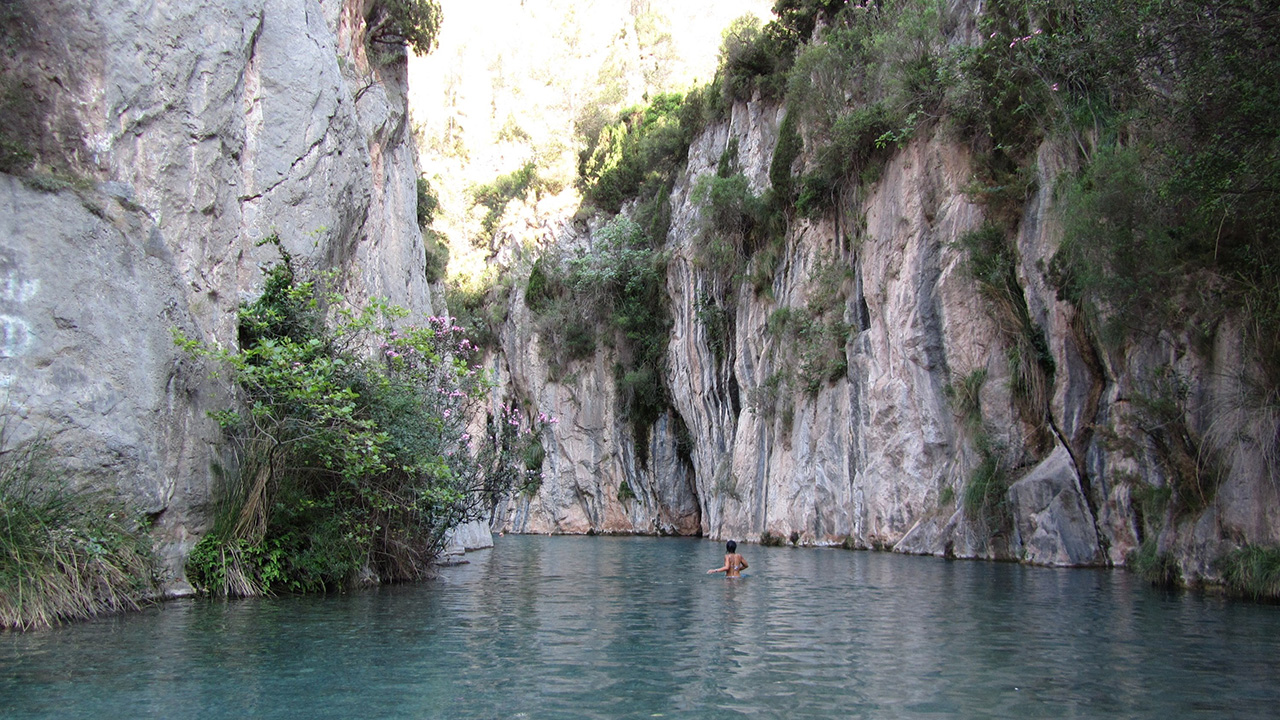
x,y
928,395
853,395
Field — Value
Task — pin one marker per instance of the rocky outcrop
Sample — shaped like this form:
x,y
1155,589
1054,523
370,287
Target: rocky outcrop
x,y
882,451
181,134
594,479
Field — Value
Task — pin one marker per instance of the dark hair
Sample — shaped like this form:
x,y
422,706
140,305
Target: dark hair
x,y
731,546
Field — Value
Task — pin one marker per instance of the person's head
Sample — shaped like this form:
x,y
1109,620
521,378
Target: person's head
x,y
731,546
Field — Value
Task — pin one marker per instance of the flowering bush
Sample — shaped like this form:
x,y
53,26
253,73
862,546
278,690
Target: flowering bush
x,y
352,465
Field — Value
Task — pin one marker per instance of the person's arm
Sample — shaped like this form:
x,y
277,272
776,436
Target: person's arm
x,y
722,568
742,560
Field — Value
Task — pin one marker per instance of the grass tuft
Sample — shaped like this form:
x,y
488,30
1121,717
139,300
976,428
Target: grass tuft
x,y
1252,571
67,551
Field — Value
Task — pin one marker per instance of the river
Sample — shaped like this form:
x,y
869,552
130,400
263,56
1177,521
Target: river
x,y
602,627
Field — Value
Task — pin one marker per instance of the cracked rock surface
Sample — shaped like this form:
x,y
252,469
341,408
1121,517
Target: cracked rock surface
x,y
190,131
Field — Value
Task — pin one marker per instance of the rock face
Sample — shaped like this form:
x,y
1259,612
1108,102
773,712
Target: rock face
x,y
189,132
590,453
918,394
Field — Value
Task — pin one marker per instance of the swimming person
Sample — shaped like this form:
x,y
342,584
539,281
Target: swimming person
x,y
734,563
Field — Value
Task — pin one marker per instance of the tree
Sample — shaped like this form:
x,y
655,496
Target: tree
x,y
412,23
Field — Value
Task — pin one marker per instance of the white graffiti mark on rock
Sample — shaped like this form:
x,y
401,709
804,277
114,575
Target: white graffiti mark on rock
x,y
15,332
15,336
16,290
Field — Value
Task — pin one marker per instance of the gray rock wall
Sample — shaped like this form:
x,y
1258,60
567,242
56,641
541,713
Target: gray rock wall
x,y
189,131
590,449
881,455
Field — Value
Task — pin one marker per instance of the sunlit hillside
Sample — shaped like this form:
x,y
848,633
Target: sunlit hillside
x,y
514,83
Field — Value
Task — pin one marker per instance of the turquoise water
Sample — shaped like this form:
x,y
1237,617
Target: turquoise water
x,y
576,627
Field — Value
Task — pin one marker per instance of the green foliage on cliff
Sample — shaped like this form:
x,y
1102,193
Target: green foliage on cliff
x,y
854,141
435,246
479,306
992,263
412,23
1167,101
497,195
1252,571
1168,197
756,58
637,155
67,551
1158,567
350,466
1191,467
1175,208
615,294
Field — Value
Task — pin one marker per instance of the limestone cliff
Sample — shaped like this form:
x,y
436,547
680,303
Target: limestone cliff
x,y
169,138
880,453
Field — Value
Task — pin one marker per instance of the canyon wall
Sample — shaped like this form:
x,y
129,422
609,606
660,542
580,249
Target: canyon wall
x,y
169,139
880,452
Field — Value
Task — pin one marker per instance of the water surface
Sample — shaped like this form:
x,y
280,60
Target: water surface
x,y
575,627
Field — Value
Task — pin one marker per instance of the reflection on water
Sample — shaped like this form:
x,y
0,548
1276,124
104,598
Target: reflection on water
x,y
634,628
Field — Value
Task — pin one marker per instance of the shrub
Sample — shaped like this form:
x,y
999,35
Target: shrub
x,y
757,58
67,551
785,152
639,153
1192,468
625,492
427,204
986,494
992,263
966,399
1156,567
717,324
435,256
1151,503
616,293
495,196
543,287
351,467
412,23
436,249
854,143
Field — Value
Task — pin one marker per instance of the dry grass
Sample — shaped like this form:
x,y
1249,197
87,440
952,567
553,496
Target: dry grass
x,y
1246,423
67,552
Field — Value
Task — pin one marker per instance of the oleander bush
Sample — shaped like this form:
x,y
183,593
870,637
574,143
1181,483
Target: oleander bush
x,y
353,453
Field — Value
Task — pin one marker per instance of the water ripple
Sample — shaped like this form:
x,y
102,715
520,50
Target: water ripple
x,y
634,628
